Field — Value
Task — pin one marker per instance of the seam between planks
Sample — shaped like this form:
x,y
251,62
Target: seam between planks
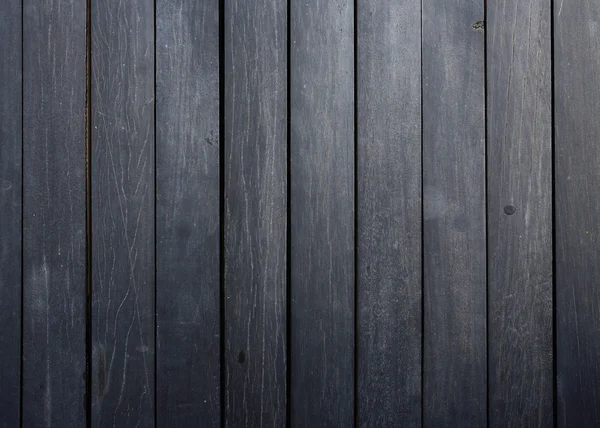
x,y
553,219
487,210
356,320
88,212
22,206
223,390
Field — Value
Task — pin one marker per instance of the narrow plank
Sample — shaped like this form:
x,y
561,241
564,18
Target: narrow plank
x,y
454,239
122,210
389,213
519,192
322,213
577,179
10,211
54,214
255,156
187,212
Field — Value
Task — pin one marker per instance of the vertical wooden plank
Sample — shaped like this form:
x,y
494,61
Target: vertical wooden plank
x,y
10,211
322,213
454,214
255,153
54,218
122,176
389,212
577,180
187,211
519,114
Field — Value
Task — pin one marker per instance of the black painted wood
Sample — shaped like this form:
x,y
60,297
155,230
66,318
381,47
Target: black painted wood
x,y
10,211
54,214
454,214
577,179
255,154
122,212
322,213
187,211
389,213
519,193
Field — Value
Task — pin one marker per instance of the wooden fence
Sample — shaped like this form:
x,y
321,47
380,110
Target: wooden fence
x,y
312,213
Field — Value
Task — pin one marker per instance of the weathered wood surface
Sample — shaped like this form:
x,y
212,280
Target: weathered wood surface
x,y
454,360
54,214
519,194
577,210
389,213
122,213
187,213
322,213
318,213
255,174
10,211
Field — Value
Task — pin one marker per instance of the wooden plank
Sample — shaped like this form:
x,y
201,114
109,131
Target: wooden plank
x,y
454,214
577,179
389,213
122,210
255,156
54,214
10,211
187,212
322,213
519,115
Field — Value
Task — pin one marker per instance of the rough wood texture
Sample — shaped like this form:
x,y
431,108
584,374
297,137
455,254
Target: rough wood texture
x,y
389,213
187,210
122,168
577,175
54,214
10,211
255,153
519,114
454,214
322,213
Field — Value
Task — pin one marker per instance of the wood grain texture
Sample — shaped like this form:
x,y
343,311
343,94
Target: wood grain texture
x,y
389,213
255,154
577,179
10,211
187,212
454,214
519,115
322,213
122,210
54,214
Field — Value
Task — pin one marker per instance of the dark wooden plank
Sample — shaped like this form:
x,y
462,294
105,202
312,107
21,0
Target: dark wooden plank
x,y
54,217
389,213
255,153
577,180
122,210
519,192
187,212
322,213
10,211
454,214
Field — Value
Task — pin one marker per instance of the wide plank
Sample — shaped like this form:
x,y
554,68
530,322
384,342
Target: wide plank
x,y
187,213
54,214
389,213
122,212
10,211
322,213
519,194
255,221
454,236
577,211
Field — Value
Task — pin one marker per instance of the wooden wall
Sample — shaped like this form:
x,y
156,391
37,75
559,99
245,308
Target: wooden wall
x,y
268,213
